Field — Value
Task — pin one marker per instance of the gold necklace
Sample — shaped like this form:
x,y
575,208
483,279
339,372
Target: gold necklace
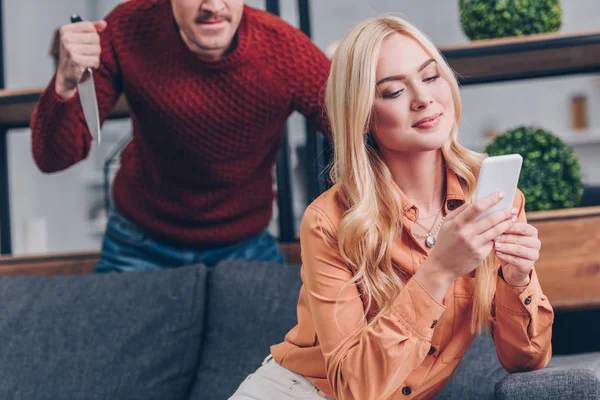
x,y
430,241
436,213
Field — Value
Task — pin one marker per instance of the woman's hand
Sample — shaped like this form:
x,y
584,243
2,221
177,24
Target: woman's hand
x,y
519,248
463,243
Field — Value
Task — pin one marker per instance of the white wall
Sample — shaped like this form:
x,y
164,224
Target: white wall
x,y
64,199
543,102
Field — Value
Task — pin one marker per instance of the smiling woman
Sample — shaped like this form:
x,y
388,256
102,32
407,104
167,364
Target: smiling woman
x,y
383,312
411,99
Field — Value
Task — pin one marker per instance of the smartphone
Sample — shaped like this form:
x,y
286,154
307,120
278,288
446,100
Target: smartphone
x,y
499,174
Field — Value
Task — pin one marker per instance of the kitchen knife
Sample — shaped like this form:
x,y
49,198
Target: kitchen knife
x,y
87,97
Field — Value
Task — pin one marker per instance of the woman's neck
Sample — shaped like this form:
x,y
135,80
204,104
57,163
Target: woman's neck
x,y
421,177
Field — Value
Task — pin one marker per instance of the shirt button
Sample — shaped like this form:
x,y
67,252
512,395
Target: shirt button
x,y
528,300
434,324
412,215
406,391
431,351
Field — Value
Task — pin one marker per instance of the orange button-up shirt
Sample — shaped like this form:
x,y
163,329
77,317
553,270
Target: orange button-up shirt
x,y
413,350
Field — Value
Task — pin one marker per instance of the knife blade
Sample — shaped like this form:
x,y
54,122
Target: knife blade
x,y
87,97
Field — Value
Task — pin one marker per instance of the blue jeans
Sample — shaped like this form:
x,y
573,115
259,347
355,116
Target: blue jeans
x,y
128,247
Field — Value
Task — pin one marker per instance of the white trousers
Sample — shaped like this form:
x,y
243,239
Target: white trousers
x,y
274,382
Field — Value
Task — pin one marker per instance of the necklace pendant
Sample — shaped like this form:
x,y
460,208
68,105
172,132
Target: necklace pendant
x,y
430,241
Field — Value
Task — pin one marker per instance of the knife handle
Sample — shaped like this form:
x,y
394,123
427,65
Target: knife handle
x,y
76,18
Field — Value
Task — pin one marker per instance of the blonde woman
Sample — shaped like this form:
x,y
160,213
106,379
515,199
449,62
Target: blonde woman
x,y
398,275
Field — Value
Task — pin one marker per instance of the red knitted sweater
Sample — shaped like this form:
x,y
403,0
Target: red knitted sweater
x,y
199,170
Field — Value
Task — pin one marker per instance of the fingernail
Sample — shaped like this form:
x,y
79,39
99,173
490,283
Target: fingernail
x,y
498,245
498,253
501,195
514,211
514,219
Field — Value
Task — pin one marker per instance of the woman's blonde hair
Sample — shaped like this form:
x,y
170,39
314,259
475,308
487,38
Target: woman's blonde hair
x,y
373,219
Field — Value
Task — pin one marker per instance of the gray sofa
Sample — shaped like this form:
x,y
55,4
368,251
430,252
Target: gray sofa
x,y
191,334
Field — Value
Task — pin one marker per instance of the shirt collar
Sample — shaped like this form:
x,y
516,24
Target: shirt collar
x,y
455,196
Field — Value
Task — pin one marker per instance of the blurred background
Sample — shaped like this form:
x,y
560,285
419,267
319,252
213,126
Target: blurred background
x,y
64,212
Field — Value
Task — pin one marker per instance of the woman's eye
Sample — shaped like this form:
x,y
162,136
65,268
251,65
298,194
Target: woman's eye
x,y
393,94
432,78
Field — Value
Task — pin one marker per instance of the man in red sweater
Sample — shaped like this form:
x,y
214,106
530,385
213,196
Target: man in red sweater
x,y
210,85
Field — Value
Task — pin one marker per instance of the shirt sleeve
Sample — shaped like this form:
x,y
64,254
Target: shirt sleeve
x,y
523,320
361,364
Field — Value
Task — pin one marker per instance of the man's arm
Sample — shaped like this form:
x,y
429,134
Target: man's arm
x,y
60,137
309,80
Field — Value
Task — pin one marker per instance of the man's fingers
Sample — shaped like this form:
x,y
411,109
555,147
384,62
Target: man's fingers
x,y
83,50
79,27
87,61
73,39
100,25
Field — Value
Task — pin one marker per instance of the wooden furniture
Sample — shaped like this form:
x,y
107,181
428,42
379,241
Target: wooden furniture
x,y
569,264
526,57
568,268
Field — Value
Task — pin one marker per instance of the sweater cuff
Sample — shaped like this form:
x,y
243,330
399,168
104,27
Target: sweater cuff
x,y
418,310
51,91
518,300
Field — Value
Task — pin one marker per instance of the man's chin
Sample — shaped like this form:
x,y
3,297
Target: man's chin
x,y
211,49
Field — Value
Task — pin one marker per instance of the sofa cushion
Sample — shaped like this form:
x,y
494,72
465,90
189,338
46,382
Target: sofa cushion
x,y
250,307
103,336
572,377
477,373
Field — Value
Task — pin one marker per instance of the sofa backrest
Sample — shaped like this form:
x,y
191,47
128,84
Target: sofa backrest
x,y
109,336
477,373
250,306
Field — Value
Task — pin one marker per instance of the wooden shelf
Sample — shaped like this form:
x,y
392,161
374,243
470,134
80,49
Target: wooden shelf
x,y
16,107
582,138
525,57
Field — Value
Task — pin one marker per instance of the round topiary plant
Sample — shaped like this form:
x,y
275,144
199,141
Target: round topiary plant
x,y
486,19
550,175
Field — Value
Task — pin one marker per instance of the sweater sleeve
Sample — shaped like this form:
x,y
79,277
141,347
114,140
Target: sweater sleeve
x,y
309,78
60,136
361,364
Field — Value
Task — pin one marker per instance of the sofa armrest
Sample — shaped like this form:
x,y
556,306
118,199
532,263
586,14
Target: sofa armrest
x,y
565,377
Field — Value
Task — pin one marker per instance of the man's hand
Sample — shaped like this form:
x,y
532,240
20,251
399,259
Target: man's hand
x,y
79,49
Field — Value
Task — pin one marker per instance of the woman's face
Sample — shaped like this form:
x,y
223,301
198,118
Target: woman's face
x,y
413,109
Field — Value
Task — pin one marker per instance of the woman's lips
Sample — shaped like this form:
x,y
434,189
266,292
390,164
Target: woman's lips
x,y
428,122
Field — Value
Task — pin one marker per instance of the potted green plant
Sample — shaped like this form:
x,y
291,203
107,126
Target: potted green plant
x,y
486,19
550,175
